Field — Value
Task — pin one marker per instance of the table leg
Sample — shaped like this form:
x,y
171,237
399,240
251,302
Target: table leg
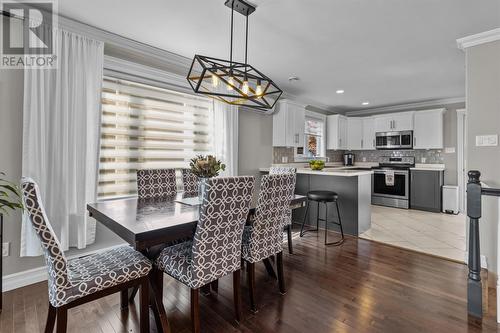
x,y
269,268
156,300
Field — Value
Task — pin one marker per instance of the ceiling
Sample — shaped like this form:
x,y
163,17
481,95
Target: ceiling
x,y
386,52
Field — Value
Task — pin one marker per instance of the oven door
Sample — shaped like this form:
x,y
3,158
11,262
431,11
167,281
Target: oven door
x,y
400,189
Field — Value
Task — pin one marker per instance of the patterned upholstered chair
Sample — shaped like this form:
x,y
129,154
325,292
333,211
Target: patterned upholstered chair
x,y
264,237
77,281
215,250
288,216
155,183
189,181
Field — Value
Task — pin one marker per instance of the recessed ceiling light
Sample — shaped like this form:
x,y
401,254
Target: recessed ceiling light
x,y
340,91
293,78
365,103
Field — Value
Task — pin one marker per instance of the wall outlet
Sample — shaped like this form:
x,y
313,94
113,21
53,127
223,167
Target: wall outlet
x,y
5,249
423,160
487,140
284,159
364,159
449,150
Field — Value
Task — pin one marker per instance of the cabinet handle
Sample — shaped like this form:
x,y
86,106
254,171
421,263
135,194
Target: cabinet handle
x,y
361,143
373,143
297,138
414,141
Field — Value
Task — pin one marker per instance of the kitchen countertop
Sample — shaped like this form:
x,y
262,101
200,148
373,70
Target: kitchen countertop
x,y
331,171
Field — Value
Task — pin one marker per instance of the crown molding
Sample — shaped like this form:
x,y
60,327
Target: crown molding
x,y
406,107
477,39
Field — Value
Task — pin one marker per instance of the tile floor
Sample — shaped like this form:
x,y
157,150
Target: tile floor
x,y
442,235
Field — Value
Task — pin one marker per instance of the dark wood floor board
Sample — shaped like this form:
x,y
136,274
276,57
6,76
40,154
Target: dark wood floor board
x,y
361,286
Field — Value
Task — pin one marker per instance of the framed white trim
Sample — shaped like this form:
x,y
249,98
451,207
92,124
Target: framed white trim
x,y
477,39
461,157
406,107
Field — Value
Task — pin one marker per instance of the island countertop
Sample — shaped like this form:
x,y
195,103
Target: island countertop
x,y
341,171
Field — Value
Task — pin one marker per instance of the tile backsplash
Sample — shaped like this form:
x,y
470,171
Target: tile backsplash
x,y
431,156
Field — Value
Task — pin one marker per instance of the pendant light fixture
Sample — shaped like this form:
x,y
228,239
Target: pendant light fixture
x,y
230,81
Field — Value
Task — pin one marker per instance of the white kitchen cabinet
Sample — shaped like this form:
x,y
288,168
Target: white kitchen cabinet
x,y
354,133
288,124
336,132
428,129
401,121
368,142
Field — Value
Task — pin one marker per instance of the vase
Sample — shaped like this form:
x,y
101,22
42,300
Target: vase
x,y
202,184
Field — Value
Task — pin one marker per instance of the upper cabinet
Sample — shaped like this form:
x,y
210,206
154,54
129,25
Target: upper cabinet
x,y
336,132
401,121
288,124
368,142
354,133
428,129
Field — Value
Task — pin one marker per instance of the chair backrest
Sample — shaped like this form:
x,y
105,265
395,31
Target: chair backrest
x,y
217,241
282,170
155,183
189,181
273,205
54,256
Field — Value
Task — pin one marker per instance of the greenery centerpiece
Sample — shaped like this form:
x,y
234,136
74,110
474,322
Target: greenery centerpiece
x,y
10,199
205,167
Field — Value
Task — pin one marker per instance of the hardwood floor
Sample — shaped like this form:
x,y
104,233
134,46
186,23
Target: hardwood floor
x,y
361,286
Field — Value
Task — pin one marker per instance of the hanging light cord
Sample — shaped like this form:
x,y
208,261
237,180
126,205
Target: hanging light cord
x,y
231,50
246,44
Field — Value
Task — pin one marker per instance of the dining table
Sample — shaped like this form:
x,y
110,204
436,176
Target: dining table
x,y
147,224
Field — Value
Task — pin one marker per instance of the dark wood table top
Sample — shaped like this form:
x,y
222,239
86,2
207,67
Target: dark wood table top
x,y
147,222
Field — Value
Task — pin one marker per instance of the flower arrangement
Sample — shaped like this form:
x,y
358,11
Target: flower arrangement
x,y
206,166
10,197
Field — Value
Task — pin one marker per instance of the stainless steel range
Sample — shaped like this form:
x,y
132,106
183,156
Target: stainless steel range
x,y
391,181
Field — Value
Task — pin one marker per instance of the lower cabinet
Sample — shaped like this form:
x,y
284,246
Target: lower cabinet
x,y
425,189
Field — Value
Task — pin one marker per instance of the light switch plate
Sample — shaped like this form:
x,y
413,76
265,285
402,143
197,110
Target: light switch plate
x,y
284,159
449,150
487,140
423,160
5,249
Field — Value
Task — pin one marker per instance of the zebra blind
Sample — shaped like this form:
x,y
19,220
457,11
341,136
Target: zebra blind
x,y
145,127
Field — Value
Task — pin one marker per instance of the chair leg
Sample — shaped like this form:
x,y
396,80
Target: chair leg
x,y
62,319
340,241
281,278
124,299
237,294
289,235
340,220
326,223
51,319
215,286
195,310
132,294
269,268
205,290
302,232
144,310
317,217
251,285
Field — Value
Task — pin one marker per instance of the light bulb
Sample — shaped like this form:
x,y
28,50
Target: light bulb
x,y
245,87
230,83
215,80
258,89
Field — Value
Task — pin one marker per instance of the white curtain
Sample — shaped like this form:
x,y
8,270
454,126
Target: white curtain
x,y
226,136
61,121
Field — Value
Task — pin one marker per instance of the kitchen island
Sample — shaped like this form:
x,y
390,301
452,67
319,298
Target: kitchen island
x,y
353,186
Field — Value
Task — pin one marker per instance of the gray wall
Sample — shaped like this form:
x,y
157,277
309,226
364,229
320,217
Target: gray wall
x,y
255,138
483,117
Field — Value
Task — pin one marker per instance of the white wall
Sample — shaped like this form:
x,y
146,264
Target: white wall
x,y
483,117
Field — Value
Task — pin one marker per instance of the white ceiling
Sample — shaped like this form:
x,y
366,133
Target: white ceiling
x,y
382,51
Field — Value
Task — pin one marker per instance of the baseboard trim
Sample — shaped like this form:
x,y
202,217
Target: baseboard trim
x,y
39,274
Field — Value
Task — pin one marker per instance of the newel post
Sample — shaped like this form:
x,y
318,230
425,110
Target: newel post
x,y
474,288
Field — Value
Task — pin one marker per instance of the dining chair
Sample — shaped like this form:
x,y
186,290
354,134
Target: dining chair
x,y
82,280
263,238
288,217
189,181
155,183
215,250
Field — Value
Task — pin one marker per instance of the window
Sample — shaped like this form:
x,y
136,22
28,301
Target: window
x,y
145,127
314,137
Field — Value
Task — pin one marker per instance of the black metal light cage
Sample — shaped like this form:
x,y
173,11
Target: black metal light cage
x,y
234,82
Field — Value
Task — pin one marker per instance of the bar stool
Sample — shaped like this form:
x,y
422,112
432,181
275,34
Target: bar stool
x,y
323,197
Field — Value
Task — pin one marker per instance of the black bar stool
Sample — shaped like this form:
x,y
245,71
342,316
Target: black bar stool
x,y
323,197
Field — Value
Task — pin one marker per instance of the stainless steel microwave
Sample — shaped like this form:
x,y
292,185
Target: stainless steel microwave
x,y
394,140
